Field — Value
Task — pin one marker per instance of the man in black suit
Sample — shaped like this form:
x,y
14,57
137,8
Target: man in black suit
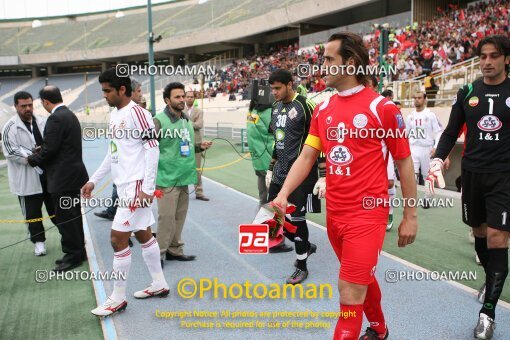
x,y
61,158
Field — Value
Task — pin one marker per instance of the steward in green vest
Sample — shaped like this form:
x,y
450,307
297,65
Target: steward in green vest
x,y
176,170
260,143
301,89
176,167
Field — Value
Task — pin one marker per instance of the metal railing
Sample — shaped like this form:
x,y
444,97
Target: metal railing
x,y
225,130
447,81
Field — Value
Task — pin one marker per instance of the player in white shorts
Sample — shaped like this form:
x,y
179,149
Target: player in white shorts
x,y
424,133
132,157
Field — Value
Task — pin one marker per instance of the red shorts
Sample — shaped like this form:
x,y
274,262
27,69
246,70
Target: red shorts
x,y
357,248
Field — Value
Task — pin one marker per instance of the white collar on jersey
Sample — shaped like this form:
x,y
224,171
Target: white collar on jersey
x,y
352,91
425,110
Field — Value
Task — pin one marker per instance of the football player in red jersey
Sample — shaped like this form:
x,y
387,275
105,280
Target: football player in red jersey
x,y
356,181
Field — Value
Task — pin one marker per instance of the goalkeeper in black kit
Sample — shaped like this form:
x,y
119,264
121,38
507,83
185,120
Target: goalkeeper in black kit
x,y
484,106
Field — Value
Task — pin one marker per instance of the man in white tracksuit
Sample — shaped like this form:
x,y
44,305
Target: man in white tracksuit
x,y
22,135
424,132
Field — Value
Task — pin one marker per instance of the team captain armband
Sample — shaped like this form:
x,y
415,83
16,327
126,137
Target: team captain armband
x,y
149,139
149,134
314,142
143,121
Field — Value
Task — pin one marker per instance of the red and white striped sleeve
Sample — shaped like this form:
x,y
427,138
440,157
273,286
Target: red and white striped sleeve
x,y
144,123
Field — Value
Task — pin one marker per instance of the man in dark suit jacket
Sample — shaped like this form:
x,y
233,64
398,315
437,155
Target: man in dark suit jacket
x,y
61,158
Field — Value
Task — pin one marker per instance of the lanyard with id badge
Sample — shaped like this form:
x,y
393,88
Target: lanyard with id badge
x,y
184,144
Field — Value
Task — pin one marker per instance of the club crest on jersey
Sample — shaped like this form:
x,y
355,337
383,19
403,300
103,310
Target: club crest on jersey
x,y
122,125
400,121
489,123
473,101
454,100
329,120
340,155
507,102
360,120
292,113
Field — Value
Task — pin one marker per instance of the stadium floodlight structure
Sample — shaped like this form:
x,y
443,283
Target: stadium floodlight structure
x,y
150,39
383,50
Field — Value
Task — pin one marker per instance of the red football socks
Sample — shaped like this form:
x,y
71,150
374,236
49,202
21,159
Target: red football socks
x,y
349,323
373,310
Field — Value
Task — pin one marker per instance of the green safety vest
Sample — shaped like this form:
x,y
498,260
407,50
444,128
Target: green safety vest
x,y
260,141
174,169
301,89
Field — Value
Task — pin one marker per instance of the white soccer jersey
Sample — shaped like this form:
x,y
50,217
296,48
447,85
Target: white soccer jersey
x,y
130,128
423,128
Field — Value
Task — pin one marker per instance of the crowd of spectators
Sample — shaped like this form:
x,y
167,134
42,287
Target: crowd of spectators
x,y
415,50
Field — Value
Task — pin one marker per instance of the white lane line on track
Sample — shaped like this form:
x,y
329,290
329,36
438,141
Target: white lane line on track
x,y
385,254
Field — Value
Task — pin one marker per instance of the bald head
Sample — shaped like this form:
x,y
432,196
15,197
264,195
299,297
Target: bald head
x,y
51,93
50,97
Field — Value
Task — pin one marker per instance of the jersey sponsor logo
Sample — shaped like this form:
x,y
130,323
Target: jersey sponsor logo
x,y
473,101
340,155
280,135
400,121
114,153
507,102
360,120
329,120
113,147
489,123
292,113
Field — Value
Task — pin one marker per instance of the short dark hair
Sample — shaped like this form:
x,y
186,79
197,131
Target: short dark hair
x,y
21,95
168,89
501,43
387,93
280,75
110,76
51,93
352,46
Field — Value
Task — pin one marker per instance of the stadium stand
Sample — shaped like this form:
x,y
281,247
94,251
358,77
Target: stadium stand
x,y
108,31
10,84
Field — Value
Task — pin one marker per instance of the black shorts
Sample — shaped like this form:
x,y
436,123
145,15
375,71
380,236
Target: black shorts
x,y
302,198
486,199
